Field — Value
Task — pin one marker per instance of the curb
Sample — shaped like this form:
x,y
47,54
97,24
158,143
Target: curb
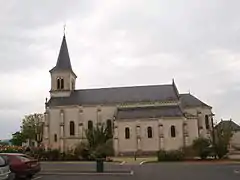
x,y
143,162
190,162
75,162
123,162
35,178
66,162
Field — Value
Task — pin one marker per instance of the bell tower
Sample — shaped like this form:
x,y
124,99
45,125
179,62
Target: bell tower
x,y
63,79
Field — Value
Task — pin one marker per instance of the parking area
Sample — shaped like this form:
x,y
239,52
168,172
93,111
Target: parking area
x,y
82,167
163,171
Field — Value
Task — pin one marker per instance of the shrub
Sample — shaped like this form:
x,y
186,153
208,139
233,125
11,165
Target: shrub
x,y
202,147
53,155
221,150
173,155
103,150
82,151
70,155
109,148
37,153
189,152
223,136
10,149
99,152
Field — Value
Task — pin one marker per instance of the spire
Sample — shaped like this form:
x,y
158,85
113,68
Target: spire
x,y
63,61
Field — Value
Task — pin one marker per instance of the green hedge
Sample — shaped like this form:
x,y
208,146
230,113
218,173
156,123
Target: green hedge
x,y
173,155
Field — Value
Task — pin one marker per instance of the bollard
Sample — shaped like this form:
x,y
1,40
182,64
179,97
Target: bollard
x,y
100,165
135,156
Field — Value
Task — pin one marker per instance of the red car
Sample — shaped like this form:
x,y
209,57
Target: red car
x,y
21,165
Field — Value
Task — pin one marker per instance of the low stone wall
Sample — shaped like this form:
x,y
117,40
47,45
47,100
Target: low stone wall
x,y
234,154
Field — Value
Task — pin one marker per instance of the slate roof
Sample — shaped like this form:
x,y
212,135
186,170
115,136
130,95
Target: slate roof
x,y
63,61
149,112
188,100
117,95
228,124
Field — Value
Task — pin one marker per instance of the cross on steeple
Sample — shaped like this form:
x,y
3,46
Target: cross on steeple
x,y
64,29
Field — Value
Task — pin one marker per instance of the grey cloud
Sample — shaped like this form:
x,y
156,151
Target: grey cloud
x,y
115,43
189,27
29,14
20,18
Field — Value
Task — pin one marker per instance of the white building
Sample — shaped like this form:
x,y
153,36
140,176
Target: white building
x,y
143,118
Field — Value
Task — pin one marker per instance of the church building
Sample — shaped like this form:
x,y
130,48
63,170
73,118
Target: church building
x,y
142,118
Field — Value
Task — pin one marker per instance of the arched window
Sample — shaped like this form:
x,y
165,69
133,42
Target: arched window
x,y
72,128
90,125
127,133
55,137
58,83
62,84
207,122
149,132
109,128
173,131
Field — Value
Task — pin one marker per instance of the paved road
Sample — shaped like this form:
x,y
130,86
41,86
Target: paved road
x,y
81,167
163,171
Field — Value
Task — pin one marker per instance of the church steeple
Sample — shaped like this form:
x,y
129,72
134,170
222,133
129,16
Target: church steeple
x,y
63,78
63,61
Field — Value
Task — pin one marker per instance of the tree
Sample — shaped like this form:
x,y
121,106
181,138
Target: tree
x,y
99,141
223,137
96,136
202,147
17,139
32,127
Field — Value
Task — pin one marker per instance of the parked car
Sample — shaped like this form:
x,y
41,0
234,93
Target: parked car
x,y
4,169
22,165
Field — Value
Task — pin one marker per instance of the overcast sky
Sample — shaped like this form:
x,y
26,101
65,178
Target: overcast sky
x,y
119,43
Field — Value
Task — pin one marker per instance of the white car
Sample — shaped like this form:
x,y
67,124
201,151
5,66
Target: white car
x,y
4,169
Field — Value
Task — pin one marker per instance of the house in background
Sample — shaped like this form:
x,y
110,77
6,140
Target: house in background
x,y
5,142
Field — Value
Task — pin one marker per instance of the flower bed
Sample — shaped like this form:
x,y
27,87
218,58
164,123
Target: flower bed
x,y
11,149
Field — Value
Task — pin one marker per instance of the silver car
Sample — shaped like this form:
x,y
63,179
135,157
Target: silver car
x,y
4,169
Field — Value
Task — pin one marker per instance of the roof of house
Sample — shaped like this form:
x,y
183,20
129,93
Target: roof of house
x,y
63,61
149,112
188,100
117,95
228,124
